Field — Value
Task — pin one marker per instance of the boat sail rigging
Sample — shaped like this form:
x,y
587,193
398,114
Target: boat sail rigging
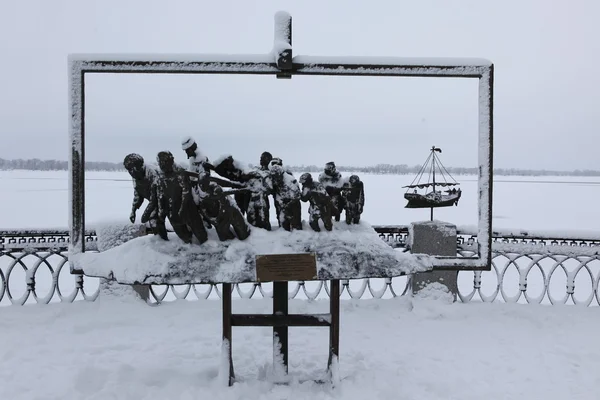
x,y
433,197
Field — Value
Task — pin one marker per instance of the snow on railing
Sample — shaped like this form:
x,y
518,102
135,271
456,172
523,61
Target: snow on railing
x,y
527,267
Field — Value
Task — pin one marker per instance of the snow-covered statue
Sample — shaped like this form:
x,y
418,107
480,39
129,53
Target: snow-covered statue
x,y
145,184
353,193
175,200
265,159
199,166
278,161
275,161
331,179
198,162
286,192
255,203
260,185
228,168
222,213
320,204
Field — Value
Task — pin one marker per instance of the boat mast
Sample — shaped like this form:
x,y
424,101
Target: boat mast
x,y
433,167
433,175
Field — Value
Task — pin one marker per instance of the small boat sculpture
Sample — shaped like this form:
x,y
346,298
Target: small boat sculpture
x,y
432,196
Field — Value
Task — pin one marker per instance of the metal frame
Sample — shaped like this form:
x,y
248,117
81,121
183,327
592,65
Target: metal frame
x,y
281,64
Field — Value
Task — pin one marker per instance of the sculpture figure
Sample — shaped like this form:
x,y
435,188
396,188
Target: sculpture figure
x,y
198,162
320,204
286,192
332,180
199,165
145,180
255,201
353,194
223,214
260,185
277,161
265,162
265,159
228,168
175,200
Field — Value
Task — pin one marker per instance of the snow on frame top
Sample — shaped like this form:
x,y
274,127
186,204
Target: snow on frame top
x,y
266,62
268,58
265,58
189,63
394,61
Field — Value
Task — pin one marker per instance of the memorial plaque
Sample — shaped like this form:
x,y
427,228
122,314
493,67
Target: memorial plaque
x,y
286,267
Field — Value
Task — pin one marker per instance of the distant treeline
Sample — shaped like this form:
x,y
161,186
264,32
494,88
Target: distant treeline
x,y
35,164
403,169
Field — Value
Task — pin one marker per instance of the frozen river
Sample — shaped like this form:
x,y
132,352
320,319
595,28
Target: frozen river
x,y
38,199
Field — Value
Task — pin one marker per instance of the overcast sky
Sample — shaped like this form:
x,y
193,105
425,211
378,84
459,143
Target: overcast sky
x,y
546,88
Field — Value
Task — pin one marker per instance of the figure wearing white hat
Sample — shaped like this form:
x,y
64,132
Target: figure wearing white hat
x,y
198,162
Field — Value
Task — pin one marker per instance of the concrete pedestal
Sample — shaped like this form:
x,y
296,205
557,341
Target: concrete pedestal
x,y
435,238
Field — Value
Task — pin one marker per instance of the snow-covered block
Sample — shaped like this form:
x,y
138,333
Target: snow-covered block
x,y
435,238
347,252
432,237
113,234
283,34
435,291
282,43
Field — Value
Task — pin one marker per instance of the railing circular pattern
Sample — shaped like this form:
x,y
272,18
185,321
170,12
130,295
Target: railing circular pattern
x,y
30,263
517,277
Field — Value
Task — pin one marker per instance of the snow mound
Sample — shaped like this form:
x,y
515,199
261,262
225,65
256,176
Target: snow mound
x,y
347,252
115,233
435,291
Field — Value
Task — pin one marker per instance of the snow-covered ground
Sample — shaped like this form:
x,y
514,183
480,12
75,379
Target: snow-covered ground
x,y
390,349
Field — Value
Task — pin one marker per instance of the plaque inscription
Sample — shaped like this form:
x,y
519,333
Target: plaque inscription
x,y
286,267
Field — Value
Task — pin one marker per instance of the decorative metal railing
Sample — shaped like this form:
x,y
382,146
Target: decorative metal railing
x,y
527,267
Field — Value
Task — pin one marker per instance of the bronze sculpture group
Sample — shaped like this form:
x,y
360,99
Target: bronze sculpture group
x,y
193,200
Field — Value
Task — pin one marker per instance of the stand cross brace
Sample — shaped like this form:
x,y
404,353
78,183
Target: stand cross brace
x,y
281,320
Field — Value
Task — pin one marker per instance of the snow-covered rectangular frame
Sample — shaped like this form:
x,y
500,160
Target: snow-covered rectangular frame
x,y
280,63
